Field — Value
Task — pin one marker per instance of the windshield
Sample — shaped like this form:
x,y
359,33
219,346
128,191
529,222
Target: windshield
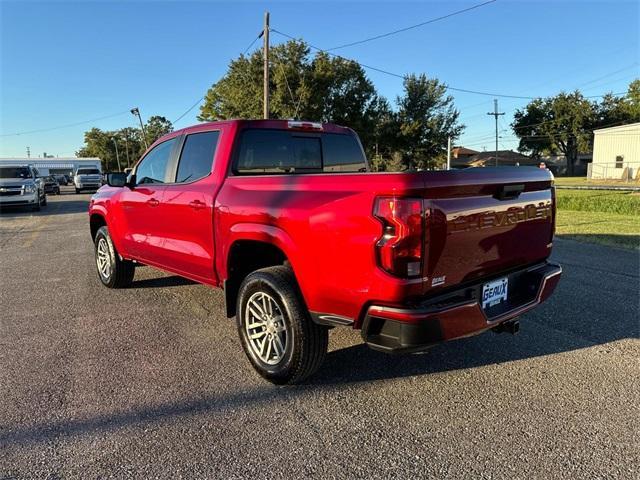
x,y
88,171
15,172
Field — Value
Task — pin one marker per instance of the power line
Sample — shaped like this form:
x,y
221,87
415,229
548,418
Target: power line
x,y
611,74
64,126
397,75
252,43
190,108
394,32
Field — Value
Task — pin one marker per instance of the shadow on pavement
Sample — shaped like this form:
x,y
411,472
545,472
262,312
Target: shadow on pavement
x,y
52,208
595,304
160,282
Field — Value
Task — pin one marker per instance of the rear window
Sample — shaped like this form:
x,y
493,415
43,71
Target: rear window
x,y
263,151
88,171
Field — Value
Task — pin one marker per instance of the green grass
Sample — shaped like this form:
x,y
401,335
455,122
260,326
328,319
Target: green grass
x,y
601,201
612,229
586,182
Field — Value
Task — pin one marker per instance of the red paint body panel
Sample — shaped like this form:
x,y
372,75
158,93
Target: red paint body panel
x,y
324,225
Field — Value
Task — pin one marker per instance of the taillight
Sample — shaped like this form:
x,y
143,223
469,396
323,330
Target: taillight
x,y
400,247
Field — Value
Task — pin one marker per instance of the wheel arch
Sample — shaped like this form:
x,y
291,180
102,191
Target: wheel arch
x,y
96,221
246,255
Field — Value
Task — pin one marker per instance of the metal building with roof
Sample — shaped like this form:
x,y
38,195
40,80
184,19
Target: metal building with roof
x,y
49,165
616,153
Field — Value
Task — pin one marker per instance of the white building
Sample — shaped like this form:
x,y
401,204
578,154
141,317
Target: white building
x,y
47,166
616,153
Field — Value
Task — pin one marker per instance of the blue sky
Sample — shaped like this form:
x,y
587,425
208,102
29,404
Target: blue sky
x,y
66,62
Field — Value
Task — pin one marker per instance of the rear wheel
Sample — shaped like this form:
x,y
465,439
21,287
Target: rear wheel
x,y
281,341
36,207
77,190
113,272
43,200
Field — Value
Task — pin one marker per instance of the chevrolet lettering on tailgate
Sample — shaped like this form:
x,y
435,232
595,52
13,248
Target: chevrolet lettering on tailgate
x,y
512,216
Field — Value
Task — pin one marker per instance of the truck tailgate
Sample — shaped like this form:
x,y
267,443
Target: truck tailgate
x,y
485,221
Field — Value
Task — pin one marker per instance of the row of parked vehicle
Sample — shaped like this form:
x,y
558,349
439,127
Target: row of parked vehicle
x,y
23,185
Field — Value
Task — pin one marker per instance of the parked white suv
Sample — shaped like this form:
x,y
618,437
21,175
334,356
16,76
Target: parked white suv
x,y
20,185
87,178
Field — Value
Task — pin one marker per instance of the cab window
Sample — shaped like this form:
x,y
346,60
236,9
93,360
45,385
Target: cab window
x,y
153,167
197,156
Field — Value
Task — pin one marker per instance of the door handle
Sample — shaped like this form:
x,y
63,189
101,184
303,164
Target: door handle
x,y
197,204
152,202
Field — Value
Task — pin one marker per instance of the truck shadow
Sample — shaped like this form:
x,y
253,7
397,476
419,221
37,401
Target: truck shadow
x,y
52,208
160,282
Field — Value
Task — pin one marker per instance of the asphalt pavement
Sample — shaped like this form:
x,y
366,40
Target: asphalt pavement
x,y
151,381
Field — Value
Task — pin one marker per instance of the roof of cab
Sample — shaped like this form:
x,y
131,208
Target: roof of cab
x,y
270,124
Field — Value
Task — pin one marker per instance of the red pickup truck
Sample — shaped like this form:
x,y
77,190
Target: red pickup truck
x,y
286,217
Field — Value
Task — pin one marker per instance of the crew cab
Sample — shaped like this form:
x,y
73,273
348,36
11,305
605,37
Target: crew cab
x,y
288,219
87,178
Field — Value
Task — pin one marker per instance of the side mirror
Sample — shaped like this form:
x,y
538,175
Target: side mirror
x,y
116,179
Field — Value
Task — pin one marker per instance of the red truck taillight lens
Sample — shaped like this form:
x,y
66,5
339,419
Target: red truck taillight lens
x,y
400,247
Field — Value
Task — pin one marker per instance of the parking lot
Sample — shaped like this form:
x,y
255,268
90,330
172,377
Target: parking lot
x,y
152,381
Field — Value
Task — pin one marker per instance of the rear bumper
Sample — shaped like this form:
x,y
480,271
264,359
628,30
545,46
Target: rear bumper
x,y
456,314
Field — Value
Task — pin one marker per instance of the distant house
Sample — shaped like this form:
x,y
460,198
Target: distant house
x,y
488,159
616,153
558,163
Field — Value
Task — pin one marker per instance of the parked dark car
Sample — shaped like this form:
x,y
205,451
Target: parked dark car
x,y
51,185
61,178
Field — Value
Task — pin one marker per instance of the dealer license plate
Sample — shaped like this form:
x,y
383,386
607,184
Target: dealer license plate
x,y
494,292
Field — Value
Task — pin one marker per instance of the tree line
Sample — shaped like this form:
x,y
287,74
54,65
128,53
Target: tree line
x,y
564,124
409,133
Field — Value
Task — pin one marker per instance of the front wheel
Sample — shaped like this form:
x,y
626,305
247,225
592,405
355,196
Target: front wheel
x,y
282,342
113,272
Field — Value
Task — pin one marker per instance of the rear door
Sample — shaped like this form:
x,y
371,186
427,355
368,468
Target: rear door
x,y
143,234
187,208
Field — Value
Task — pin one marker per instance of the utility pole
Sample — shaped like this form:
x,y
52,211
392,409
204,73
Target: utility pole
x,y
449,152
136,111
117,155
126,146
28,152
496,115
265,34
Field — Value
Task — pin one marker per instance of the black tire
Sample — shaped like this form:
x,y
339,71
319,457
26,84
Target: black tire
x,y
306,342
77,191
36,207
120,272
43,201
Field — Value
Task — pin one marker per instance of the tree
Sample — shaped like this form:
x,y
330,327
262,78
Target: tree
x,y
619,110
324,88
102,143
565,123
556,124
425,119
156,127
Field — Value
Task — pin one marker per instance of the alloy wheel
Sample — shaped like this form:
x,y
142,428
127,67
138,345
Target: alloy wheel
x,y
103,259
265,327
